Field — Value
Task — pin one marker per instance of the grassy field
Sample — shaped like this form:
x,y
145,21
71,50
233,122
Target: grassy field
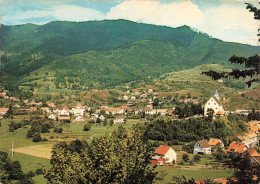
x,y
165,174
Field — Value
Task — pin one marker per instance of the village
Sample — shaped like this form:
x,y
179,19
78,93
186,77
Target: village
x,y
164,155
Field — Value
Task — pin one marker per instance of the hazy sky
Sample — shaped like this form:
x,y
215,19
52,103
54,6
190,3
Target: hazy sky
x,y
224,19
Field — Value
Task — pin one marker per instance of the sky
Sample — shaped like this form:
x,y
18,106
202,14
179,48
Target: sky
x,y
228,20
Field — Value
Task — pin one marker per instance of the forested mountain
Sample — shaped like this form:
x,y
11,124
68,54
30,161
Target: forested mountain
x,y
109,52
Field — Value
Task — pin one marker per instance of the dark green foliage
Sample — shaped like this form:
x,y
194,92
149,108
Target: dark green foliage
x,y
58,130
245,169
192,129
37,137
254,115
188,147
187,110
196,158
15,125
123,157
45,129
87,127
185,157
11,170
35,129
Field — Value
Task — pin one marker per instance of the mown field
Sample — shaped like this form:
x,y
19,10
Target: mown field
x,y
35,155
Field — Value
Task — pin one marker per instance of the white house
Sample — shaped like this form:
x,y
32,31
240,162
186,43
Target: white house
x,y
53,117
78,110
149,110
202,147
164,155
119,119
215,104
79,119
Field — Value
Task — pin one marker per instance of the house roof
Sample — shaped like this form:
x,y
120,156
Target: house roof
x,y
216,100
214,142
148,109
204,144
162,150
252,152
161,110
254,128
251,135
4,109
237,147
64,118
120,117
52,115
255,159
220,113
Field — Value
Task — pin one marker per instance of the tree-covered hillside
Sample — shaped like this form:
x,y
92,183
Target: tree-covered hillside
x,y
108,52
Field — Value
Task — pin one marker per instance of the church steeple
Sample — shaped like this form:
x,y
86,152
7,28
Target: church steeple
x,y
217,95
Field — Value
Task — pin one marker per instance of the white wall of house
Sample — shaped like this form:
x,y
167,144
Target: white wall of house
x,y
170,156
198,149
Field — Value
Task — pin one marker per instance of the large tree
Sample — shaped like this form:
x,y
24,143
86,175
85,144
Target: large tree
x,y
252,64
121,158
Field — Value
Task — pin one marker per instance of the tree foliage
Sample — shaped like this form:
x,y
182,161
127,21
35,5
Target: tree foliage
x,y
120,158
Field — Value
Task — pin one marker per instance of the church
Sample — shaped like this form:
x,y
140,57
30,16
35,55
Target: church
x,y
215,104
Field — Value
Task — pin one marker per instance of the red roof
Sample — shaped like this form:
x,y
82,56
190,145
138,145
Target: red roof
x,y
237,147
162,150
252,152
220,113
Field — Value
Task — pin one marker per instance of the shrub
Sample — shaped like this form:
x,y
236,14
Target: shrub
x,y
30,174
38,171
37,137
87,127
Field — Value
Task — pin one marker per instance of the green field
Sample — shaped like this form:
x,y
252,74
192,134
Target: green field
x,y
167,173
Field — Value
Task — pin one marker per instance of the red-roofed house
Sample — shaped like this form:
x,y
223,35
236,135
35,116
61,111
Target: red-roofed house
x,y
164,155
237,147
3,111
214,143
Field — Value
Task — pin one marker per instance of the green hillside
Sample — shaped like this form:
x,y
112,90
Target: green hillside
x,y
105,53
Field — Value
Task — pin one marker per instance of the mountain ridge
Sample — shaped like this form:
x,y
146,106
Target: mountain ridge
x,y
28,48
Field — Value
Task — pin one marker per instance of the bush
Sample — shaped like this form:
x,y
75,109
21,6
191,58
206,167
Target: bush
x,y
196,158
37,137
30,174
58,130
38,171
51,137
45,129
87,127
44,140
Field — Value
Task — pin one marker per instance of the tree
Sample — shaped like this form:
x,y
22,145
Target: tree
x,y
252,64
37,137
196,158
123,157
210,113
87,127
245,170
185,157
